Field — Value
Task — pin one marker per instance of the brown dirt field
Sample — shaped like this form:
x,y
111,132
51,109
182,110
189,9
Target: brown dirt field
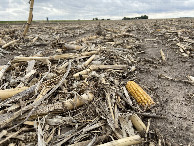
x,y
174,97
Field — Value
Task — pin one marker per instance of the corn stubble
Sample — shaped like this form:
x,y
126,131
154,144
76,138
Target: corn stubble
x,y
77,110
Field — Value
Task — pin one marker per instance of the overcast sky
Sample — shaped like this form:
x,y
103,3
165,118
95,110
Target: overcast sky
x,y
88,9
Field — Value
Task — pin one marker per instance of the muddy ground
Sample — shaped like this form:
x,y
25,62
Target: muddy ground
x,y
165,81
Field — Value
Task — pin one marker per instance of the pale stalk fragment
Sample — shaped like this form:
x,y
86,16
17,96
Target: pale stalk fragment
x,y
23,59
147,128
20,95
191,78
89,53
133,68
55,57
151,144
162,55
85,64
62,67
190,81
138,123
4,69
87,142
110,105
30,66
28,75
72,55
76,102
127,141
88,38
12,144
98,67
127,96
40,134
7,93
34,40
64,56
30,123
72,47
12,107
83,72
116,124
92,142
10,43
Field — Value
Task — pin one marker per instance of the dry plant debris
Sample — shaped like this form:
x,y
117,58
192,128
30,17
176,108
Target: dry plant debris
x,y
65,82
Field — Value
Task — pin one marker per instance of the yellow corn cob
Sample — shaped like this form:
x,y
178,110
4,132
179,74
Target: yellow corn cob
x,y
139,94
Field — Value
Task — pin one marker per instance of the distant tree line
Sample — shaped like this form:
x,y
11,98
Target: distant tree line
x,y
142,17
99,19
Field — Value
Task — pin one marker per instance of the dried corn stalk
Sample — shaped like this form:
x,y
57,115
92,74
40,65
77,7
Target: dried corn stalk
x,y
10,43
162,55
31,123
72,47
139,94
191,79
72,55
62,67
55,57
7,93
21,95
136,139
35,39
85,64
78,102
4,69
21,59
96,67
29,17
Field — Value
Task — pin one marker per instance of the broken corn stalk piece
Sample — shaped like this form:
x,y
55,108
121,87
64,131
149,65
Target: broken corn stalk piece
x,y
139,94
7,93
137,122
126,141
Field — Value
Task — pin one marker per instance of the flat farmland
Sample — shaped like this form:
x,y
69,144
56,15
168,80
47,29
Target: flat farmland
x,y
67,82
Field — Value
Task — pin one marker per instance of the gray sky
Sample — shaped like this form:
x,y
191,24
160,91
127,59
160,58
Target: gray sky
x,y
88,9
